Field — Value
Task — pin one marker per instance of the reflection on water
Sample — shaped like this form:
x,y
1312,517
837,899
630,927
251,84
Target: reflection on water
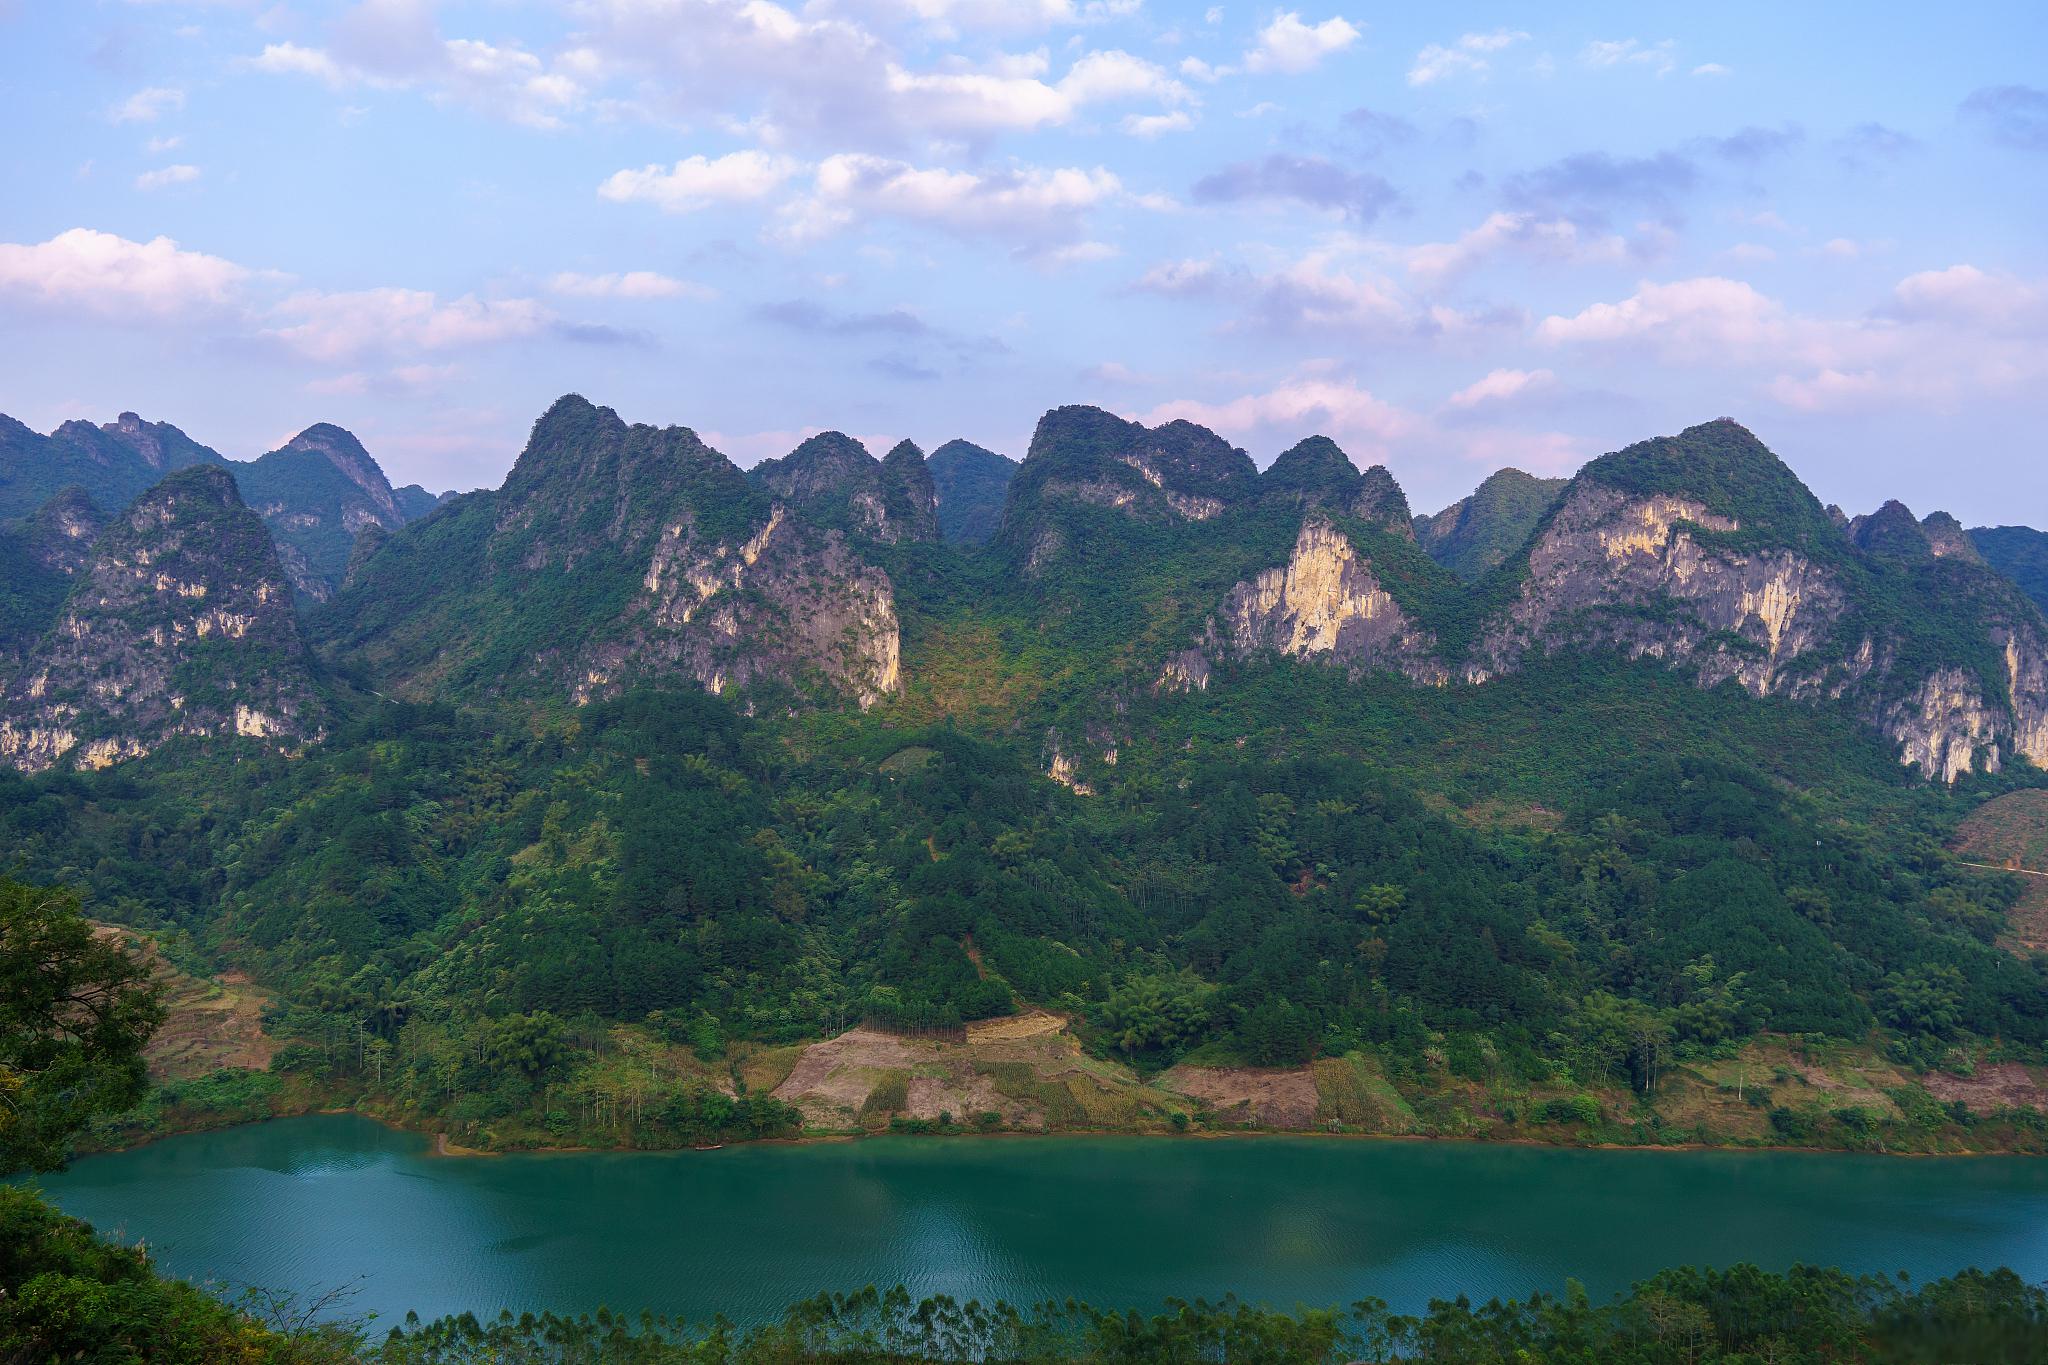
x,y
1117,1221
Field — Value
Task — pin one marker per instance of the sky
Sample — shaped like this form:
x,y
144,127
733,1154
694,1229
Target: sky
x,y
1452,237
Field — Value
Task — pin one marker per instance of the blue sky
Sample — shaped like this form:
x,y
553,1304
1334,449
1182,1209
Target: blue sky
x,y
1453,236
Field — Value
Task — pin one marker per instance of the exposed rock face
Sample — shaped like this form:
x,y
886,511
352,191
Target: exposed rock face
x,y
617,555
910,492
1325,603
834,483
782,602
61,535
1624,572
1948,540
1085,457
1747,582
182,624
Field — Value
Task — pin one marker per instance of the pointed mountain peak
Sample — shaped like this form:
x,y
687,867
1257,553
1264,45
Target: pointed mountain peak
x,y
904,452
1314,471
1380,500
1947,538
1891,532
1722,466
971,483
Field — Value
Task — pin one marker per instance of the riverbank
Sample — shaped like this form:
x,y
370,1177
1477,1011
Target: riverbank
x,y
1032,1076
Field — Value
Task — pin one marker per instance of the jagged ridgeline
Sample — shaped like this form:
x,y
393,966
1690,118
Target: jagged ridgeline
x,y
1125,562
617,555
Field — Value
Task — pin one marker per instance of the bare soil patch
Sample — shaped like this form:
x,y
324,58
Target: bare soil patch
x,y
2004,1085
1030,1024
209,1023
1268,1098
2012,832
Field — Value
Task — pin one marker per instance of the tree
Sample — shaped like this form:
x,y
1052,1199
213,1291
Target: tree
x,y
75,1012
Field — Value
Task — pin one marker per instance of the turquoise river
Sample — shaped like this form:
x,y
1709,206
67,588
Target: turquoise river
x,y
317,1202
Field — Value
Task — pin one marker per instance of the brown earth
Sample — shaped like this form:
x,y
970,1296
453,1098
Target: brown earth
x,y
209,1024
2003,1085
2011,832
1268,1098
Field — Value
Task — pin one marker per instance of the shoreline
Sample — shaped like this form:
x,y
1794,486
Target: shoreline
x,y
440,1146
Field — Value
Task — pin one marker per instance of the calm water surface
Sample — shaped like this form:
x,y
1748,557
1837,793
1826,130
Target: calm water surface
x,y
1117,1221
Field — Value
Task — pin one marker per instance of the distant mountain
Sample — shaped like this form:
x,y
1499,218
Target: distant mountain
x,y
2018,552
617,555
834,482
1478,532
180,622
39,556
317,492
113,463
971,484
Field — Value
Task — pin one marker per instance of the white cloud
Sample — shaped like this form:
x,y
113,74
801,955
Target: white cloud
x,y
290,59
1707,313
1466,57
1963,295
508,82
165,176
329,327
112,275
1710,69
149,105
698,182
1549,239
157,146
1500,386
630,284
1298,406
1152,125
1631,52
1030,203
1946,336
1289,46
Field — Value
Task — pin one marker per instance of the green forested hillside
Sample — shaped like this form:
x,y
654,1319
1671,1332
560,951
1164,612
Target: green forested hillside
x,y
631,759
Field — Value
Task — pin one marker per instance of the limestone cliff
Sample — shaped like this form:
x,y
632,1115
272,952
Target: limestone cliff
x,y
615,556
1704,552
1642,574
833,482
1323,605
181,624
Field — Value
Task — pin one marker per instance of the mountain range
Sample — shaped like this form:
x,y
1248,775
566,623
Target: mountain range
x,y
1158,559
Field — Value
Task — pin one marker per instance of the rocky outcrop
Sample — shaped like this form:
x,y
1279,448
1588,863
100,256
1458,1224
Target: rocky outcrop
x,y
1317,473
317,493
181,624
60,536
619,556
1323,605
782,603
832,482
1641,574
1085,458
